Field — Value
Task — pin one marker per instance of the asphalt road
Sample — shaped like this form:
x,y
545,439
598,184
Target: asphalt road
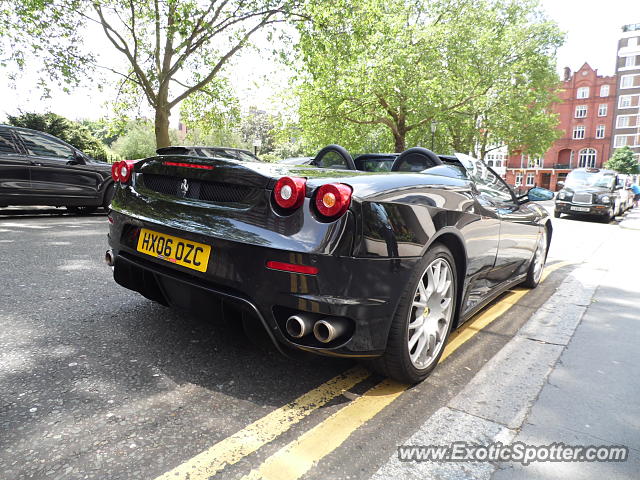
x,y
98,382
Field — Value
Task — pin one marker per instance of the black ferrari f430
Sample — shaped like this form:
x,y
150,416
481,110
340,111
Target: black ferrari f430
x,y
375,257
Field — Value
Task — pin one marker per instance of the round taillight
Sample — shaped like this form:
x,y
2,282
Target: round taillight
x,y
125,168
333,199
115,171
289,192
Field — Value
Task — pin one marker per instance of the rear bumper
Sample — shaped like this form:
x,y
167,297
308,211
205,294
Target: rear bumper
x,y
582,209
363,290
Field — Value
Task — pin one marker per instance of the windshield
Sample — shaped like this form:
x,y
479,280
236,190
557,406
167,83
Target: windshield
x,y
581,178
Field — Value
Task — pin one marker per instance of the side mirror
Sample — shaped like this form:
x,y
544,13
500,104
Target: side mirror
x,y
539,194
78,159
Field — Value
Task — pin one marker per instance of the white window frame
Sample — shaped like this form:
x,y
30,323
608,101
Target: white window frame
x,y
603,108
518,179
582,92
630,98
531,180
581,111
625,118
578,133
604,91
587,157
618,138
600,131
630,76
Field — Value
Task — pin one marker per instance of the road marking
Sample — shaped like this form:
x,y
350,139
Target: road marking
x,y
299,456
295,459
246,441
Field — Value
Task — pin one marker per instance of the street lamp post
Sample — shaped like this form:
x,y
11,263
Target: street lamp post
x,y
434,126
257,143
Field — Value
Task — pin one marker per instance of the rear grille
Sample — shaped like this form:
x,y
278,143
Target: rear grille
x,y
582,198
195,189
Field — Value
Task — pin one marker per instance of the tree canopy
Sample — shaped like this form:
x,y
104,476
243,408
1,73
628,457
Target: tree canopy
x,y
484,70
623,161
71,132
172,49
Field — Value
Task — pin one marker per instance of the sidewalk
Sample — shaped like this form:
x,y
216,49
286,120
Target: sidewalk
x,y
631,219
570,375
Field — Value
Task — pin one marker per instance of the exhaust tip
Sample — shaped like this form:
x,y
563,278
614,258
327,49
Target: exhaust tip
x,y
109,258
296,326
324,331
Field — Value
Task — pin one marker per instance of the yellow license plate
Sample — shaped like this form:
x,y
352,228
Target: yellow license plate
x,y
174,249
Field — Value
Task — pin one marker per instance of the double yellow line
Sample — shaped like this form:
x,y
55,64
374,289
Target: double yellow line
x,y
295,459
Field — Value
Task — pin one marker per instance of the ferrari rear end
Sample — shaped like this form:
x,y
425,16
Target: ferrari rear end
x,y
279,241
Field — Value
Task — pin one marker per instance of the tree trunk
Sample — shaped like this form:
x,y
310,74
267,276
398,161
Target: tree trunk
x,y
400,143
162,126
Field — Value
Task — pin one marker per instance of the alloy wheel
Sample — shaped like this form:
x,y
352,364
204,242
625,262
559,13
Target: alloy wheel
x,y
431,314
540,258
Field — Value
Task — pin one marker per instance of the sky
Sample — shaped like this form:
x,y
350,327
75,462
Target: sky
x,y
592,28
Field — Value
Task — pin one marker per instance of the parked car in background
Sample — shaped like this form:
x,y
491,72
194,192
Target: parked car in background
x,y
39,169
593,191
328,258
210,152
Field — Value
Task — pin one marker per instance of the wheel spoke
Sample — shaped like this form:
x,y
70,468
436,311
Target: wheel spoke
x,y
417,323
446,302
420,348
423,293
416,336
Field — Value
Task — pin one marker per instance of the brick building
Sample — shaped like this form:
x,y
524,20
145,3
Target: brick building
x,y
586,111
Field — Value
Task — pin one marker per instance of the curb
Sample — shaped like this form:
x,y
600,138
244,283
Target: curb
x,y
495,403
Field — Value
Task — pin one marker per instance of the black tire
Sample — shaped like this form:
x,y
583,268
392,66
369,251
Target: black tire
x,y
533,280
83,210
556,214
395,362
108,196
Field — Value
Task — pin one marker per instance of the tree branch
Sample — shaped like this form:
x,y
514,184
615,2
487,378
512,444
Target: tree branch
x,y
222,62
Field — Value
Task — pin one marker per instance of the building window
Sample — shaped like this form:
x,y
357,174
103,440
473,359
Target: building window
x,y
626,121
583,92
581,111
629,61
587,158
602,110
531,179
518,179
629,101
578,132
600,131
604,91
632,140
630,81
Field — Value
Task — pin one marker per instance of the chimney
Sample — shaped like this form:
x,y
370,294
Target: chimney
x,y
567,74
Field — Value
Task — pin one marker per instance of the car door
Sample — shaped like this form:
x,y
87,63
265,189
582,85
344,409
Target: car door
x,y
518,224
482,236
14,169
56,171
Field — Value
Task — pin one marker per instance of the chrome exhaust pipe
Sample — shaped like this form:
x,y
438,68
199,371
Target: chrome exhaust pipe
x,y
328,329
299,325
110,258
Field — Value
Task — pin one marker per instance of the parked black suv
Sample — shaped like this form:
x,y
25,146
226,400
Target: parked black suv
x,y
592,191
39,169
